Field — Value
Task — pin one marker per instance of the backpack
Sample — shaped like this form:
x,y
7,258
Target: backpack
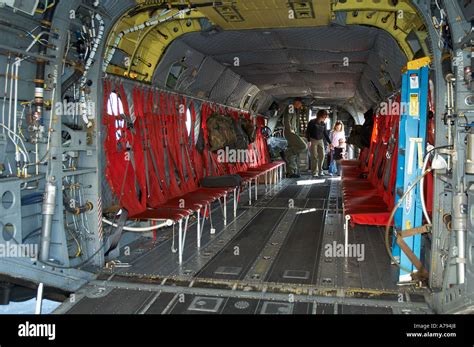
x,y
249,128
242,139
221,181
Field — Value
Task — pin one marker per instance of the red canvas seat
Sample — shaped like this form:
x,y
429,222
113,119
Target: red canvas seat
x,y
167,167
368,201
164,214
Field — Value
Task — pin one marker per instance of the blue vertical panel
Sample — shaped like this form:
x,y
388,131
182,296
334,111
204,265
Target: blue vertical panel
x,y
412,137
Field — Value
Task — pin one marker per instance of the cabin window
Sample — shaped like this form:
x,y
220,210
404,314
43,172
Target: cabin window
x,y
175,73
247,101
189,121
115,105
115,108
255,105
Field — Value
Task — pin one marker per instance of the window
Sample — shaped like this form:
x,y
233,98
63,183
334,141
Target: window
x,y
247,101
175,73
115,108
255,105
189,121
115,105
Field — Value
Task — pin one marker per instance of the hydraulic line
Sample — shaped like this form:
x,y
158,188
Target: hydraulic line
x,y
88,206
459,225
89,62
41,63
422,191
392,215
450,79
5,94
430,150
16,66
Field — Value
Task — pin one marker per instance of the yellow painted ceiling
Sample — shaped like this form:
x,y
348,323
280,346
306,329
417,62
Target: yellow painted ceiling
x,y
145,47
269,14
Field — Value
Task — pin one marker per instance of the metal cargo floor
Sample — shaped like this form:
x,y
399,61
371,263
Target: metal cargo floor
x,y
270,260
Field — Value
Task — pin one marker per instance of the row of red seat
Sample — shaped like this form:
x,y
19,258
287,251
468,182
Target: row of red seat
x,y
153,166
370,200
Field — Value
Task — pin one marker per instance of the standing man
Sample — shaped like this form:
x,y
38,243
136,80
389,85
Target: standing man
x,y
296,144
317,134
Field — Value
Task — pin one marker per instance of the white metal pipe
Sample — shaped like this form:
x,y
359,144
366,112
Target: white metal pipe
x,y
10,136
235,203
203,221
167,223
346,236
15,103
461,261
50,122
250,192
225,209
10,100
39,299
459,225
180,242
5,91
256,188
199,228
422,191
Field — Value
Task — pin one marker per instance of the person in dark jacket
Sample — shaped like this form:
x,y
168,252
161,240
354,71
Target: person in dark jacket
x,y
367,128
317,133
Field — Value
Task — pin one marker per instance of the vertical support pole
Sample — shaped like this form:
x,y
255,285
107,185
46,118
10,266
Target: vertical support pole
x,y
203,220
256,187
250,192
235,203
346,236
39,299
180,242
266,180
199,228
225,209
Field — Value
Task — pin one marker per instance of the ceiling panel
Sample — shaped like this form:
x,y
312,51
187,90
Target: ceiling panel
x,y
327,63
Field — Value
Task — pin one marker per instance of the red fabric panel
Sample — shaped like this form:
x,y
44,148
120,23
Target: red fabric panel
x,y
137,148
183,147
155,126
174,189
196,157
143,112
119,170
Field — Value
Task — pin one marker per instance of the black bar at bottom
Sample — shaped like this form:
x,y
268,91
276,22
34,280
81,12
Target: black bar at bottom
x,y
349,329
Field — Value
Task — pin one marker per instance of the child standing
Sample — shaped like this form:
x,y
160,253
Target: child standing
x,y
337,148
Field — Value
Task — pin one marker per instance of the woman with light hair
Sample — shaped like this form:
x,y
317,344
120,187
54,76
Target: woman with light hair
x,y
337,148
